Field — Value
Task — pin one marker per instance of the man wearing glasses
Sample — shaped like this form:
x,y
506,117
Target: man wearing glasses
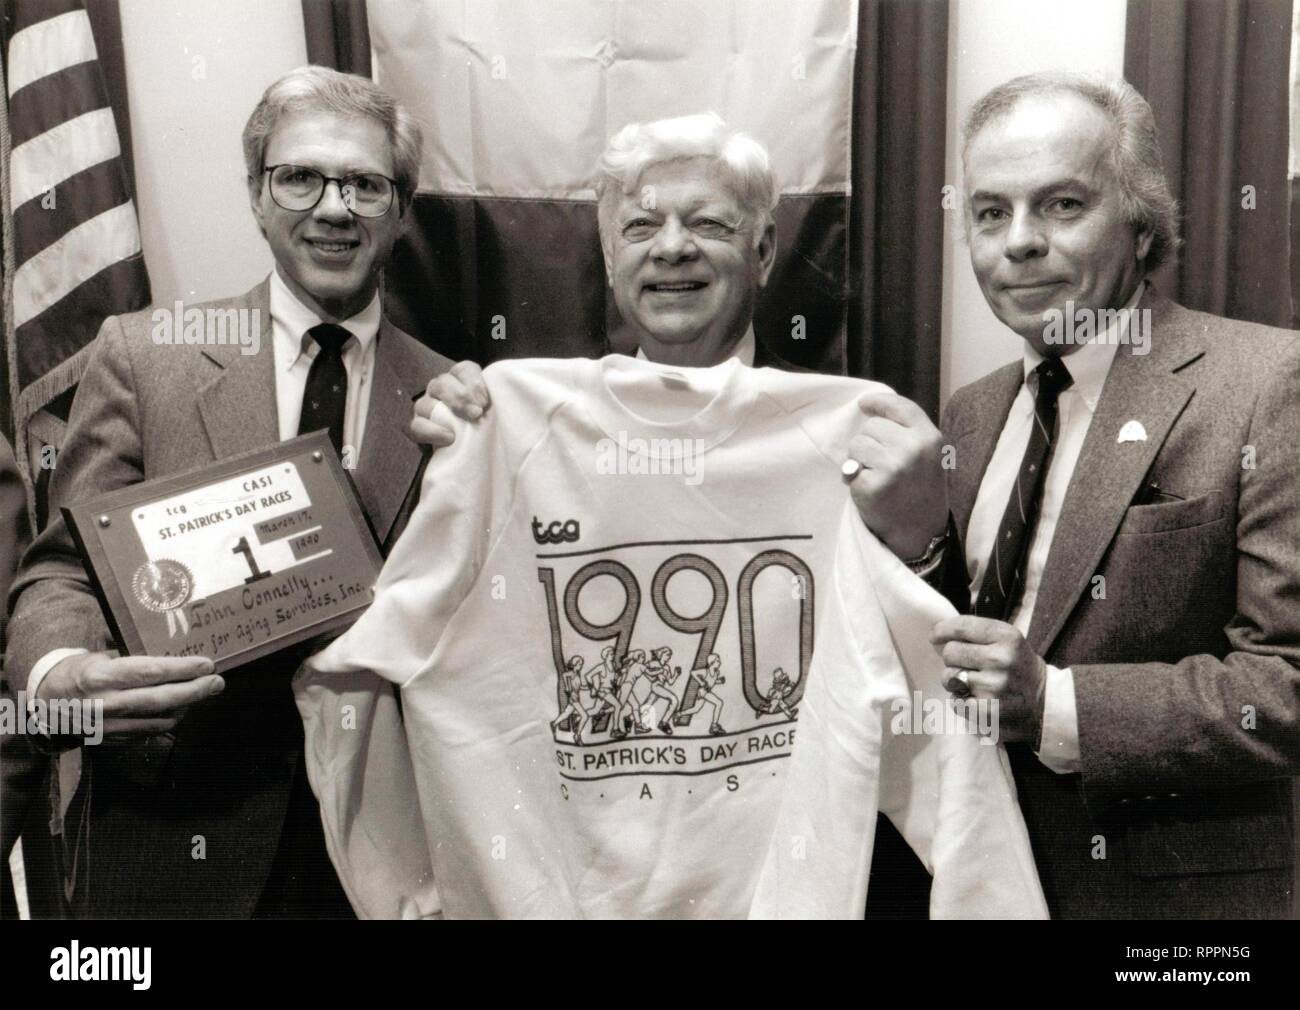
x,y
197,803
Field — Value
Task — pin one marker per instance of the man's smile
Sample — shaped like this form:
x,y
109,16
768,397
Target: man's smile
x,y
675,289
1032,294
332,250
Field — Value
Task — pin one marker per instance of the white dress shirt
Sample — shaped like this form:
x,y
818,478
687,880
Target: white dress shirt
x,y
294,352
1088,365
744,349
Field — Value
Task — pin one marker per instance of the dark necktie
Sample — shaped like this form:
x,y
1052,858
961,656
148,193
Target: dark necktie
x,y
325,399
1004,576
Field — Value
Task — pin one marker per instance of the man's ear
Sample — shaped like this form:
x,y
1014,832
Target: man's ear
x,y
766,253
1145,236
608,255
255,202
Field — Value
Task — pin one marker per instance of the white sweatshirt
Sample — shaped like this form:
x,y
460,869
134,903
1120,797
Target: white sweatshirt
x,y
687,519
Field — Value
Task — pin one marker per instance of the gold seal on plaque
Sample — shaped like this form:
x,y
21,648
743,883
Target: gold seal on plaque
x,y
162,587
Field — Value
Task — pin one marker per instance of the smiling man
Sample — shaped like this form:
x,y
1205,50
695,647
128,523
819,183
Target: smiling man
x,y
1128,512
686,210
689,241
197,803
329,259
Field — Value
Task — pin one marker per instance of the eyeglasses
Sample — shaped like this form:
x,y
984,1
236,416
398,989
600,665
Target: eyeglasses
x,y
365,194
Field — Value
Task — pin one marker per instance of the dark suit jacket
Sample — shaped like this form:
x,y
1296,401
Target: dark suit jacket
x,y
1185,651
21,769
218,785
765,357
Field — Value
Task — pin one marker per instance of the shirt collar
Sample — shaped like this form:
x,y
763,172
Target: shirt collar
x,y
1090,363
294,319
745,348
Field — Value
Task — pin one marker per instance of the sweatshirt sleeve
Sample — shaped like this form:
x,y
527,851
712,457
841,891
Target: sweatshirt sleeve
x,y
357,753
950,795
434,563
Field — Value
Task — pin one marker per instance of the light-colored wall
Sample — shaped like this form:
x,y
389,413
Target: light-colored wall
x,y
990,41
195,69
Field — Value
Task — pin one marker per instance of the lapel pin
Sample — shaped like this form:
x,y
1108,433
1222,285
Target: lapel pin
x,y
1132,432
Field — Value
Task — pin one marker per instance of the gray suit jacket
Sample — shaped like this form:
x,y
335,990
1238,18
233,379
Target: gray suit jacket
x,y
144,411
1185,651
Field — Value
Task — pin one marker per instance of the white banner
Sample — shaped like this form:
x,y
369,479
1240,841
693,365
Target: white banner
x,y
519,99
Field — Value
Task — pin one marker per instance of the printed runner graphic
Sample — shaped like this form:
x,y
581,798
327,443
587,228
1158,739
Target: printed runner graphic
x,y
677,657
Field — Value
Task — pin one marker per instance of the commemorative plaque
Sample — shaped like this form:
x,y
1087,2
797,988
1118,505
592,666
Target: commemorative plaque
x,y
232,561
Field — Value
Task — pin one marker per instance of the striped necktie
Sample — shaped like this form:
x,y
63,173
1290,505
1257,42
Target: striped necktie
x,y
1004,575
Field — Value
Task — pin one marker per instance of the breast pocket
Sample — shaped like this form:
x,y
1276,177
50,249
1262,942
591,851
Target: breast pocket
x,y
1175,515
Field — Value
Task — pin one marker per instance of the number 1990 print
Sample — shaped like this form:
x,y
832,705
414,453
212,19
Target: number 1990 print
x,y
679,669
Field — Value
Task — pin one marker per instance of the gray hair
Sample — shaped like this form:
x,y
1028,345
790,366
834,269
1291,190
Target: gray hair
x,y
320,89
1135,157
742,161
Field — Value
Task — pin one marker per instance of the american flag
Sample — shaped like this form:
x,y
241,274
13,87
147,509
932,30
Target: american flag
x,y
72,241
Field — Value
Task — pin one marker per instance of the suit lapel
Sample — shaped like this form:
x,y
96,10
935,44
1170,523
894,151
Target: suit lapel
x,y
977,436
238,407
389,458
237,398
1108,474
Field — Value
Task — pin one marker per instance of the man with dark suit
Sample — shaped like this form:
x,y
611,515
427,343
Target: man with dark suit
x,y
1126,512
21,768
197,804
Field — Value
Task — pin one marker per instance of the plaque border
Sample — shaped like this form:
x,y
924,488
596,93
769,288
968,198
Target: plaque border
x,y
82,521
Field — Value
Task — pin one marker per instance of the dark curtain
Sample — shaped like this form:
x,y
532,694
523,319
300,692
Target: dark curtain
x,y
1216,75
896,217
895,312
337,35
1295,257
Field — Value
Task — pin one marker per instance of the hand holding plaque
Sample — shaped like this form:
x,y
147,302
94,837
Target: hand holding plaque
x,y
234,561
141,695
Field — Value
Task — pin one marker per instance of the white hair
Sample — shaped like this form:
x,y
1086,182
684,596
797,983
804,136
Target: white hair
x,y
742,161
